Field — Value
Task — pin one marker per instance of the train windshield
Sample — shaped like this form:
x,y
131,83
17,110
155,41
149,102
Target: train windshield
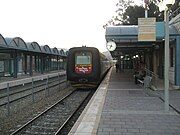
x,y
83,58
83,62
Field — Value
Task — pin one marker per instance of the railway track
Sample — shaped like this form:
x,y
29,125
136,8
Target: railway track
x,y
20,92
53,119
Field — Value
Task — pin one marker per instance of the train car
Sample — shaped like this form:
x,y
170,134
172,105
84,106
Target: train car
x,y
86,66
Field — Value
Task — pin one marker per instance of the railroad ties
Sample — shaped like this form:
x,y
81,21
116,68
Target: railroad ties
x,y
53,119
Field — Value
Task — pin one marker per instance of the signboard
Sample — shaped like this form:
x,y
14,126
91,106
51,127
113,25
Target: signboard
x,y
146,29
83,69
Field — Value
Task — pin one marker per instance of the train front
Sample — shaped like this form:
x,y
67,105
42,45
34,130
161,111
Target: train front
x,y
84,68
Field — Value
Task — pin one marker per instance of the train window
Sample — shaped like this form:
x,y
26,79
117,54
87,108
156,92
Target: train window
x,y
83,62
83,58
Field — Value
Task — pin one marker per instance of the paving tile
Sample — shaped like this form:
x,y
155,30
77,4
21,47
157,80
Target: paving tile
x,y
129,110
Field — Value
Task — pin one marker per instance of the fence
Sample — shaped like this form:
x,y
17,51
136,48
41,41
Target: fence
x,y
30,92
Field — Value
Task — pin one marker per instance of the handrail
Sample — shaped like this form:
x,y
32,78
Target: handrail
x,y
150,73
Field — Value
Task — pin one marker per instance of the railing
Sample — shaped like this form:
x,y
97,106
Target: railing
x,y
156,83
33,90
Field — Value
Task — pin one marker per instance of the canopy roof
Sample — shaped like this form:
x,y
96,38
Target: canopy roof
x,y
129,33
18,43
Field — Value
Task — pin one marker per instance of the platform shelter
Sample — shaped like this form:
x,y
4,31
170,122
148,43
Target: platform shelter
x,y
20,58
131,53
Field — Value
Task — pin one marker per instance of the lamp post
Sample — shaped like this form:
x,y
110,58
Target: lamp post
x,y
163,6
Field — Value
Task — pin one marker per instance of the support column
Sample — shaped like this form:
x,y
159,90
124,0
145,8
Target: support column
x,y
11,65
50,64
25,63
177,62
42,64
39,65
35,63
31,63
15,64
57,64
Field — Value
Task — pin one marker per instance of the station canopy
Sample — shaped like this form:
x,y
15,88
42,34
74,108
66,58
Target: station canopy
x,y
34,46
126,38
55,51
129,33
18,43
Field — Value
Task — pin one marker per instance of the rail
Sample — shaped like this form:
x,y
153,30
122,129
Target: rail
x,y
25,125
156,83
60,130
59,113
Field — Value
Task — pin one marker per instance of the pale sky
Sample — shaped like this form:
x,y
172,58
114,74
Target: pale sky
x,y
57,23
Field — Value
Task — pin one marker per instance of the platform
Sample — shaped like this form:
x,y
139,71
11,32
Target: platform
x,y
120,107
26,79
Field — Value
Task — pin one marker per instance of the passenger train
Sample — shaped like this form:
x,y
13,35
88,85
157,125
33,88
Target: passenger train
x,y
86,67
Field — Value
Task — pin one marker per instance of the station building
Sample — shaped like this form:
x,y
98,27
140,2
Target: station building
x,y
129,51
20,58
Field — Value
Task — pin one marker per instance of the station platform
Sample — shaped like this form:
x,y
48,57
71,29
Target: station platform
x,y
120,107
27,79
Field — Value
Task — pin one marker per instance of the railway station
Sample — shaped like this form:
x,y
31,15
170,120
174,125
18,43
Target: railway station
x,y
80,91
120,106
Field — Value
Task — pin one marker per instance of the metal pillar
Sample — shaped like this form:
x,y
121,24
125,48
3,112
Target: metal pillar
x,y
15,65
25,63
166,63
42,64
35,63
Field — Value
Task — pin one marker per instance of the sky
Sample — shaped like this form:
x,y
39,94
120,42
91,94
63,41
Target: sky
x,y
57,23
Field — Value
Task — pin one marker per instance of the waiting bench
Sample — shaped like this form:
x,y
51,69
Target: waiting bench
x,y
146,82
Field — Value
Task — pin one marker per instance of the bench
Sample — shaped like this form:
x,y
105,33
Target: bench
x,y
146,82
140,81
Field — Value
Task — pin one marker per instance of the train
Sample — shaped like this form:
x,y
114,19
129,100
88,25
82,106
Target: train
x,y
86,67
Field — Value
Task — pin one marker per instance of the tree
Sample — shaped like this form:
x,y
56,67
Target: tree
x,y
122,6
132,14
128,14
117,19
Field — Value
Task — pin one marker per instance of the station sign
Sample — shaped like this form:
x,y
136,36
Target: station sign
x,y
147,29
